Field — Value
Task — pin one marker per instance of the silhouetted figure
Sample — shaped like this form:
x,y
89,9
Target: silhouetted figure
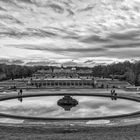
x,y
113,94
20,95
20,92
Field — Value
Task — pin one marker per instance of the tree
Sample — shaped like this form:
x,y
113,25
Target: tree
x,y
130,76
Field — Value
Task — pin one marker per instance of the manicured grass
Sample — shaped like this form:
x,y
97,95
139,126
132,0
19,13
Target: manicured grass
x,y
70,133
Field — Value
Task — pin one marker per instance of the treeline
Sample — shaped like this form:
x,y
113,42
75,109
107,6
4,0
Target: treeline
x,y
18,71
123,71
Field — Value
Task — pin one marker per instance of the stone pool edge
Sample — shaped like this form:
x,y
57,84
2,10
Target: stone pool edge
x,y
130,115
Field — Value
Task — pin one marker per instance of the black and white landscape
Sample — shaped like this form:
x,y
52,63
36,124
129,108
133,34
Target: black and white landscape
x,y
70,69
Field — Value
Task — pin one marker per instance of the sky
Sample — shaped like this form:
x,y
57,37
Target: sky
x,y
69,32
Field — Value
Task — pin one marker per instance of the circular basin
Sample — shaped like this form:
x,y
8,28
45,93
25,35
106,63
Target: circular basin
x,y
45,107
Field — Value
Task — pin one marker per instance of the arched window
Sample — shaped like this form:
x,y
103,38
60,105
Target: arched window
x,y
88,84
80,84
72,83
44,84
68,84
76,83
64,84
52,83
85,83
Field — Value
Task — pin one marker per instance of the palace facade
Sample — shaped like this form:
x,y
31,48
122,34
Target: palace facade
x,y
62,78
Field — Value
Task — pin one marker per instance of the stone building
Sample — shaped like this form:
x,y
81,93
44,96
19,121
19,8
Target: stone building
x,y
61,78
109,83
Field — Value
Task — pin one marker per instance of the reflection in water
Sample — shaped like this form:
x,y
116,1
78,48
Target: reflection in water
x,y
67,102
80,106
20,98
114,97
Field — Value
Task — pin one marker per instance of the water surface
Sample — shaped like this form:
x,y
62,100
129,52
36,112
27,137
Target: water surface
x,y
46,106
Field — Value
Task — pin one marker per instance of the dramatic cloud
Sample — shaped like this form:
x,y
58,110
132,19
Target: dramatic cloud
x,y
81,32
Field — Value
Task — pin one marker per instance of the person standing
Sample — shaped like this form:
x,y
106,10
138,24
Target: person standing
x,y
112,92
20,95
20,92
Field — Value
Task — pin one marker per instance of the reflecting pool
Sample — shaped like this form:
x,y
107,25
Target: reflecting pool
x,y
46,106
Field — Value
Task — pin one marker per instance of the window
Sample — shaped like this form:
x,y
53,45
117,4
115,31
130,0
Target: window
x,y
85,83
36,84
64,84
52,83
68,84
88,84
76,83
44,84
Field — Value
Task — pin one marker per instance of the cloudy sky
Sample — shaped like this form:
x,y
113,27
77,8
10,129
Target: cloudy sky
x,y
82,32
